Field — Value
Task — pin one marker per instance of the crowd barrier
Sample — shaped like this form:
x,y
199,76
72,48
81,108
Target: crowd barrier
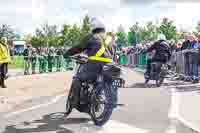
x,y
19,62
136,59
185,62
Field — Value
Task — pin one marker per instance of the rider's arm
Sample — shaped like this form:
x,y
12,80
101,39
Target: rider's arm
x,y
78,48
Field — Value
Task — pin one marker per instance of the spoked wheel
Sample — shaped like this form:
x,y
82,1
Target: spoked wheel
x,y
102,105
68,104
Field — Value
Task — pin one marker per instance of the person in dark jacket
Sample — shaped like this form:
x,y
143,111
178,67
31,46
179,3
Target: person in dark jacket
x,y
27,58
187,45
162,52
51,59
93,45
59,57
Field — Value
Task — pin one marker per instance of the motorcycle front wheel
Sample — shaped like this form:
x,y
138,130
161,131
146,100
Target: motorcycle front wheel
x,y
102,104
68,106
159,81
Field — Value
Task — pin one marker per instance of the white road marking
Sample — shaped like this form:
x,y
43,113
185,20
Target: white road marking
x,y
174,114
174,107
35,107
189,124
172,126
117,127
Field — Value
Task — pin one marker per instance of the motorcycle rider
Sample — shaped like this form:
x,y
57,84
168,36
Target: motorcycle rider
x,y
162,52
94,46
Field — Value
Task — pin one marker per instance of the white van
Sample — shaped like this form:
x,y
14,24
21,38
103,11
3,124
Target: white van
x,y
19,47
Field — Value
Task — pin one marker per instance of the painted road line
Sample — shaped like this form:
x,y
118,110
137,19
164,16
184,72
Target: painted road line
x,y
35,107
117,127
174,113
172,126
174,107
189,124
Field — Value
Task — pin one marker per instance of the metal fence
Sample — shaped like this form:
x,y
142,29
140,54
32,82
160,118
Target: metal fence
x,y
186,63
58,63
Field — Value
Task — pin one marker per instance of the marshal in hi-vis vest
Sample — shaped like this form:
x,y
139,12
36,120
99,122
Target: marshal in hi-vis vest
x,y
4,54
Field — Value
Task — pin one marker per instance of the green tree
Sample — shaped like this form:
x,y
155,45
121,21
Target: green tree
x,y
151,31
64,35
7,31
168,28
122,39
46,36
70,35
136,33
38,39
50,34
131,38
74,35
86,28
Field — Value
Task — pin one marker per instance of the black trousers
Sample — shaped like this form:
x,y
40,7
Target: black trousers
x,y
88,71
4,70
155,59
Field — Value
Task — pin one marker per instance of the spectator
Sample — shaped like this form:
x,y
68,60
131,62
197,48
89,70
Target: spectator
x,y
27,58
43,60
50,59
4,60
34,61
59,56
178,46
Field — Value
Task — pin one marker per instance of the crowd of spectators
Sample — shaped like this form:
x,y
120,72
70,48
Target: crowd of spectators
x,y
185,55
43,59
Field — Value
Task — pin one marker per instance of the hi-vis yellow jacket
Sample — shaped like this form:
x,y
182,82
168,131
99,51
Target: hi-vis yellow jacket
x,y
97,52
100,52
4,54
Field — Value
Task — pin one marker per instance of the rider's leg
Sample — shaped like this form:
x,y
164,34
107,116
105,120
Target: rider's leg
x,y
148,70
75,87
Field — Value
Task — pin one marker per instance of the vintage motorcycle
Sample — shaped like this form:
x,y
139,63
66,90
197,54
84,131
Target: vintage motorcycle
x,y
97,98
158,72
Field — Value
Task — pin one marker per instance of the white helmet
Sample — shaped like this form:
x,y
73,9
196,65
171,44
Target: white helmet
x,y
161,37
97,23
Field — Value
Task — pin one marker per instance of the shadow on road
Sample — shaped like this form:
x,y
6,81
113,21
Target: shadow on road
x,y
178,85
49,123
191,88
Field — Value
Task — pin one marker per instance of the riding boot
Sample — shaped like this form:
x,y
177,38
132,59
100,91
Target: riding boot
x,y
76,86
3,83
148,70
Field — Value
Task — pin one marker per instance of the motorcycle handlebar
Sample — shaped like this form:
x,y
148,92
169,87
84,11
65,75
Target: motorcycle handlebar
x,y
85,58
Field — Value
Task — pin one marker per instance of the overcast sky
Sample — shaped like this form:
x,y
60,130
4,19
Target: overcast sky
x,y
26,15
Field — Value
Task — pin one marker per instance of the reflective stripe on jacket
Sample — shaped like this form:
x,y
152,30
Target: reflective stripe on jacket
x,y
99,55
